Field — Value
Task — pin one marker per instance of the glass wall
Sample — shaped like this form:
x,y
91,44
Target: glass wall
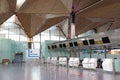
x,y
12,33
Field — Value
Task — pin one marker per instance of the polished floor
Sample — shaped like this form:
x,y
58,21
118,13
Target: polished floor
x,y
37,71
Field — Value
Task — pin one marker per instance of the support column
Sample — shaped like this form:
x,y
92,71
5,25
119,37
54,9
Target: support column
x,y
49,34
59,35
19,33
40,47
8,33
71,32
30,41
105,51
72,25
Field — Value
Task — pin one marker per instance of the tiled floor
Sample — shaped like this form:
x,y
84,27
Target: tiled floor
x,y
35,71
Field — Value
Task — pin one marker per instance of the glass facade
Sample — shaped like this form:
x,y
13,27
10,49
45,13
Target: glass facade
x,y
15,40
12,31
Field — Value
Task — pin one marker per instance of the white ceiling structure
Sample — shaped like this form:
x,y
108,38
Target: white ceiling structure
x,y
35,16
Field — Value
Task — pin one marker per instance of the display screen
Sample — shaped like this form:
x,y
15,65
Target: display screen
x,y
60,45
91,41
85,42
48,47
64,45
105,40
75,43
55,46
71,44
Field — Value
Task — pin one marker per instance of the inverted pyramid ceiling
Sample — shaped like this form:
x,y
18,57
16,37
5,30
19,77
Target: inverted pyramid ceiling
x,y
35,16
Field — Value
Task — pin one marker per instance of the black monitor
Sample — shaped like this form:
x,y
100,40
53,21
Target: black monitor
x,y
91,41
105,40
60,45
71,44
75,44
85,42
64,45
48,47
53,46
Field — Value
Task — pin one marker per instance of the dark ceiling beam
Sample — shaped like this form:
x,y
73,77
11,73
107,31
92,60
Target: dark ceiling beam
x,y
61,31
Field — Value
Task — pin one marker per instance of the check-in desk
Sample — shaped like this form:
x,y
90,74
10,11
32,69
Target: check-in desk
x,y
60,60
92,63
54,60
108,65
48,60
85,62
117,65
63,61
74,62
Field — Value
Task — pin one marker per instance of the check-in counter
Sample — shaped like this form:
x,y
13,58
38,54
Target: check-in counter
x,y
63,61
54,60
48,60
92,63
74,62
85,62
108,65
60,60
117,65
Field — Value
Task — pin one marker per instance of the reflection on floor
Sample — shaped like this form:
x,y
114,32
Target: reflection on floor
x,y
35,71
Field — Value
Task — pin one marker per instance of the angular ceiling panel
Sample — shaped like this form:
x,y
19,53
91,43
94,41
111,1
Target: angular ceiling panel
x,y
68,4
80,24
25,20
46,7
115,25
12,5
4,17
30,22
51,22
7,8
34,23
4,6
82,4
7,5
103,9
83,24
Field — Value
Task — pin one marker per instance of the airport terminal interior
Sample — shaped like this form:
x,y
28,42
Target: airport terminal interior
x,y
59,39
